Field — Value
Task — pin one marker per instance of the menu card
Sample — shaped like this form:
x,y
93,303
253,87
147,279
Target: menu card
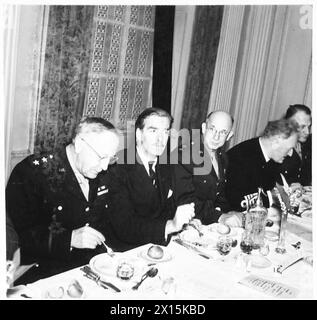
x,y
272,288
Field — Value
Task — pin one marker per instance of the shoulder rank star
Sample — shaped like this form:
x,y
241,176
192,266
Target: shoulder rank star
x,y
36,162
44,159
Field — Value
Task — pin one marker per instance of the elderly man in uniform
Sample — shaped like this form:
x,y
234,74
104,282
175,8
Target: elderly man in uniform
x,y
57,202
298,167
144,206
207,172
254,163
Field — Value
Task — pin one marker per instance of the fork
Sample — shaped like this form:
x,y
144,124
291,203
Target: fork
x,y
109,250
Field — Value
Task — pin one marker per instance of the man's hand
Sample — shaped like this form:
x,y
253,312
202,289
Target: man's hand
x,y
232,219
183,215
86,238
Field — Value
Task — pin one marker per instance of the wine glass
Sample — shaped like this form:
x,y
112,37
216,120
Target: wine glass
x,y
224,245
246,244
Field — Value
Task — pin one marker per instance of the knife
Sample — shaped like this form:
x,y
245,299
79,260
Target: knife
x,y
94,276
188,246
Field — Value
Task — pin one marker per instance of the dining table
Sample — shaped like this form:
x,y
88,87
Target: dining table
x,y
189,270
188,273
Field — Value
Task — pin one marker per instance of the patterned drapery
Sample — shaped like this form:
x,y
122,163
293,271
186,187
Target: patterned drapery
x,y
202,62
65,75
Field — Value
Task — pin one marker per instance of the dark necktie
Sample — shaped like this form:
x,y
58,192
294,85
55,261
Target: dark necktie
x,y
152,173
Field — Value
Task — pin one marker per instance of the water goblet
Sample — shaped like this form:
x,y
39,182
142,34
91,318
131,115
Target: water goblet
x,y
246,243
224,245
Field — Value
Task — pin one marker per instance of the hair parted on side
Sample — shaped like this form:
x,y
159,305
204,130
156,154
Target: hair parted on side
x,y
282,127
293,109
139,123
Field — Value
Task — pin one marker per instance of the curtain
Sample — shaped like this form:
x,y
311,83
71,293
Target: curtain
x,y
204,47
9,18
65,76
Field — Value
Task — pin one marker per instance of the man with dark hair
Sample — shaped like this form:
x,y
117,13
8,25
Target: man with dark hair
x,y
298,167
212,162
144,207
253,163
57,202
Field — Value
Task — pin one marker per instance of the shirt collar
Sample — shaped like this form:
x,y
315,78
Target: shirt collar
x,y
145,160
80,178
266,157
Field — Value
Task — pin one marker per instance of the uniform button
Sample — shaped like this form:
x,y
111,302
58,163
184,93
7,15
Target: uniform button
x,y
59,208
285,171
205,181
87,209
300,169
217,193
106,206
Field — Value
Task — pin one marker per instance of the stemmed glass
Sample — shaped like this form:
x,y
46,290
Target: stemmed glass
x,y
246,243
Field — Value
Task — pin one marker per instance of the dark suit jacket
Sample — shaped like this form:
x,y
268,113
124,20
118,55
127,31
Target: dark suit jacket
x,y
45,203
139,211
248,170
209,188
296,169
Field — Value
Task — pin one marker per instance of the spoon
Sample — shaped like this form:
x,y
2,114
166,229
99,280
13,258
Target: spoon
x,y
150,273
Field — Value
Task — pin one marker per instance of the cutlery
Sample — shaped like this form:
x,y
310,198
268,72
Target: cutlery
x,y
109,250
95,277
282,267
189,246
150,273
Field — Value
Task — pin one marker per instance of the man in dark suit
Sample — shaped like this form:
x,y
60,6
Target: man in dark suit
x,y
253,163
144,208
205,161
57,202
298,167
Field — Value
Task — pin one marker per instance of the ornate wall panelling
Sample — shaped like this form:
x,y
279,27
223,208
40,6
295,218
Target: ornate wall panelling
x,y
120,76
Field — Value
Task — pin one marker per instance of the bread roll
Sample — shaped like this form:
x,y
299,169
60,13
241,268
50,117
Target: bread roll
x,y
155,252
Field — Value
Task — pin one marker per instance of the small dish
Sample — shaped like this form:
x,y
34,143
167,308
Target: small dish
x,y
258,261
166,256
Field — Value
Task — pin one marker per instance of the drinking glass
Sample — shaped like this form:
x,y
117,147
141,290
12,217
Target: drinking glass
x,y
246,244
224,245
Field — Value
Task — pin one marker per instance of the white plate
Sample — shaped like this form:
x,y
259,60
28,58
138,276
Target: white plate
x,y
213,228
260,262
166,256
106,267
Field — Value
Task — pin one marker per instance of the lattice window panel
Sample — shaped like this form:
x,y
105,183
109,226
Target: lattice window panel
x,y
120,77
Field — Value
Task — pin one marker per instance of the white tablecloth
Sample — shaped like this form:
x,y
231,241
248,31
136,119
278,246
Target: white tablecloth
x,y
198,278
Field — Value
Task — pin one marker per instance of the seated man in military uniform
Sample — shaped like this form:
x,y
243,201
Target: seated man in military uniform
x,y
57,202
298,167
204,159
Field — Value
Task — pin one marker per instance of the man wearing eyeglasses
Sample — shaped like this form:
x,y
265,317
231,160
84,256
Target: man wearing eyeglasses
x,y
144,207
207,165
57,202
